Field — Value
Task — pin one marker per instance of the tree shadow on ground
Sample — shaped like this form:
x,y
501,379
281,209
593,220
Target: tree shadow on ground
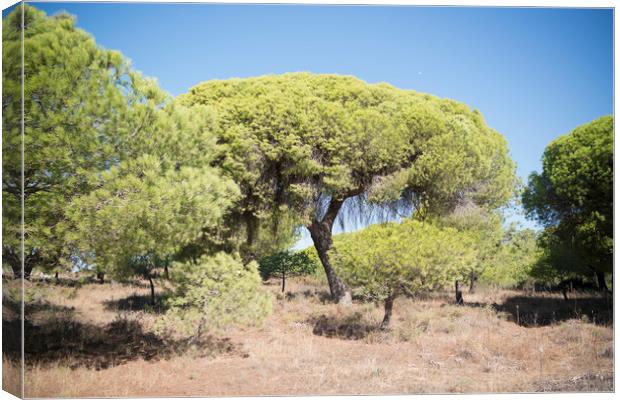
x,y
62,281
61,338
139,303
533,311
589,382
321,296
351,327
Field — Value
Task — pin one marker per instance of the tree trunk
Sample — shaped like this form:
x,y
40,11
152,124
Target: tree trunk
x,y
600,278
565,292
321,233
14,259
166,273
387,316
459,293
283,281
17,271
56,277
100,276
27,271
251,223
472,282
152,289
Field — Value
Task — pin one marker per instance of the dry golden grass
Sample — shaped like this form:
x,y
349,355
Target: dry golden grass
x,y
309,346
11,377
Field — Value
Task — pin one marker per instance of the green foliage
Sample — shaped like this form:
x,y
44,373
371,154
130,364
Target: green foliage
x,y
275,235
504,256
215,292
573,199
143,213
115,173
318,274
286,263
75,112
484,231
292,139
514,262
302,143
558,259
87,113
411,257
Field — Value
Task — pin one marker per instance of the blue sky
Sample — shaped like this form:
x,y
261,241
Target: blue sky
x,y
534,73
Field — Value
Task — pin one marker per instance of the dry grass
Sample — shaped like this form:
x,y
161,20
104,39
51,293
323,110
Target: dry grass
x,y
309,346
11,377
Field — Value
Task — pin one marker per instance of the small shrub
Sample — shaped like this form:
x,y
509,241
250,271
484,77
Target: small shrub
x,y
215,292
285,264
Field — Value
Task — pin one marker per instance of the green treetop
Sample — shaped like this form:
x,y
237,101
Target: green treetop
x,y
83,111
142,214
573,199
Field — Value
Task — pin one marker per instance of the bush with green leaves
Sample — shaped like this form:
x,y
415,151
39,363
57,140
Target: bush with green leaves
x,y
286,263
390,259
214,292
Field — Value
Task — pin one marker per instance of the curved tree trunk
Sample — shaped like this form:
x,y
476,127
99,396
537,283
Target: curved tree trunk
x,y
387,316
321,233
27,271
152,289
17,270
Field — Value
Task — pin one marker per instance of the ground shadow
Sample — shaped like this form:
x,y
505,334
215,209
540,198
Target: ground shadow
x,y
351,327
589,382
322,296
139,303
61,338
61,281
532,311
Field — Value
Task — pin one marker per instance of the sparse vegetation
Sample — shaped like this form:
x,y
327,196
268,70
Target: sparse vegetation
x,y
433,346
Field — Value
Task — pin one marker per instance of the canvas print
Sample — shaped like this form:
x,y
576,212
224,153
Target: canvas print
x,y
296,199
